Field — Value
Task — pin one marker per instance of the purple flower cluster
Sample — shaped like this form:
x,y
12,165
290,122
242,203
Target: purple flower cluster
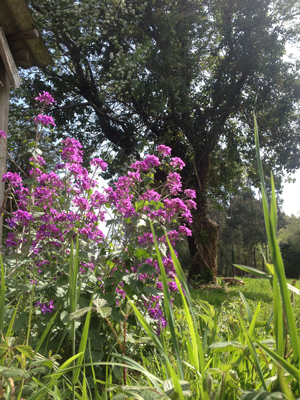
x,y
45,308
2,134
13,178
164,150
44,120
45,98
97,162
68,202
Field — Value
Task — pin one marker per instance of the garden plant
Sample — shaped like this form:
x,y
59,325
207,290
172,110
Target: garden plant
x,y
88,314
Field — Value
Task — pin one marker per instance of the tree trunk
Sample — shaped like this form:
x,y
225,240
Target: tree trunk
x,y
203,248
203,242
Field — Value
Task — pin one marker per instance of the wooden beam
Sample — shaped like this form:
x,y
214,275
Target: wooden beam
x,y
20,55
4,104
8,61
32,34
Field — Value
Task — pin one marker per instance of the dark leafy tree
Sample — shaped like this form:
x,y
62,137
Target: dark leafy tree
x,y
289,242
131,74
244,231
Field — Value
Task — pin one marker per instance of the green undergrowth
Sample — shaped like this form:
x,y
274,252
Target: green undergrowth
x,y
254,290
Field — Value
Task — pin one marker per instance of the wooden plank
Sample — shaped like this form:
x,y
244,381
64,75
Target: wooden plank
x,y
8,61
20,55
32,34
4,105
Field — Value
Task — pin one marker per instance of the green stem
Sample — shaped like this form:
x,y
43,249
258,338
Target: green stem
x,y
30,313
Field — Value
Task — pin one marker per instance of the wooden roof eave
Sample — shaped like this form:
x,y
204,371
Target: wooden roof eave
x,y
26,45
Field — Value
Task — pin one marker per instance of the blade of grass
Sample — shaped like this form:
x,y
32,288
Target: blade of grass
x,y
73,283
168,307
186,298
45,333
93,374
271,224
12,321
30,315
158,344
255,271
2,297
83,342
254,319
289,368
248,309
278,319
253,352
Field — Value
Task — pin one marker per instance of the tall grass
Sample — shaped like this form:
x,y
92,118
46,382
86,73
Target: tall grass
x,y
194,357
250,373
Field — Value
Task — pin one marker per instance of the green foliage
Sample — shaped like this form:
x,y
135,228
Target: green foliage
x,y
182,72
188,74
289,242
244,346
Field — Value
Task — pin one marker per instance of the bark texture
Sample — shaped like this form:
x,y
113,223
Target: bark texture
x,y
203,243
203,248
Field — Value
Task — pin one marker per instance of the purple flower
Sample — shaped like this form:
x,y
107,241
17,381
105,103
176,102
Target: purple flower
x,y
191,204
44,308
2,134
71,151
172,286
147,238
45,98
190,193
151,195
11,240
23,216
184,230
38,160
134,176
97,162
12,177
152,161
51,306
174,183
164,150
44,119
177,163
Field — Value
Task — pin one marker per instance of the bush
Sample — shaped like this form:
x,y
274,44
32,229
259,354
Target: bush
x,y
289,242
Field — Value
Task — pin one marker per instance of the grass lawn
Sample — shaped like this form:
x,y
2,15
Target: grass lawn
x,y
228,299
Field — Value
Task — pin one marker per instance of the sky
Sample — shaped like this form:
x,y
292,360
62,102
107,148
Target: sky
x,y
291,196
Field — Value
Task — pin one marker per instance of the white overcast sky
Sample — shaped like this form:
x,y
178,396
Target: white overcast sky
x,y
291,196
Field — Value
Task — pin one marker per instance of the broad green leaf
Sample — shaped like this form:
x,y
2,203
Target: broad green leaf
x,y
261,395
99,303
25,350
141,253
79,313
104,312
28,181
222,347
146,269
14,373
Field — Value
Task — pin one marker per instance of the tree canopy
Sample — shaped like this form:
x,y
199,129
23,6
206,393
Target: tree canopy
x,y
189,74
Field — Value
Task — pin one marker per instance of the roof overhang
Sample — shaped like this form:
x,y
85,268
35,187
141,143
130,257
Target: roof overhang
x,y
26,45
